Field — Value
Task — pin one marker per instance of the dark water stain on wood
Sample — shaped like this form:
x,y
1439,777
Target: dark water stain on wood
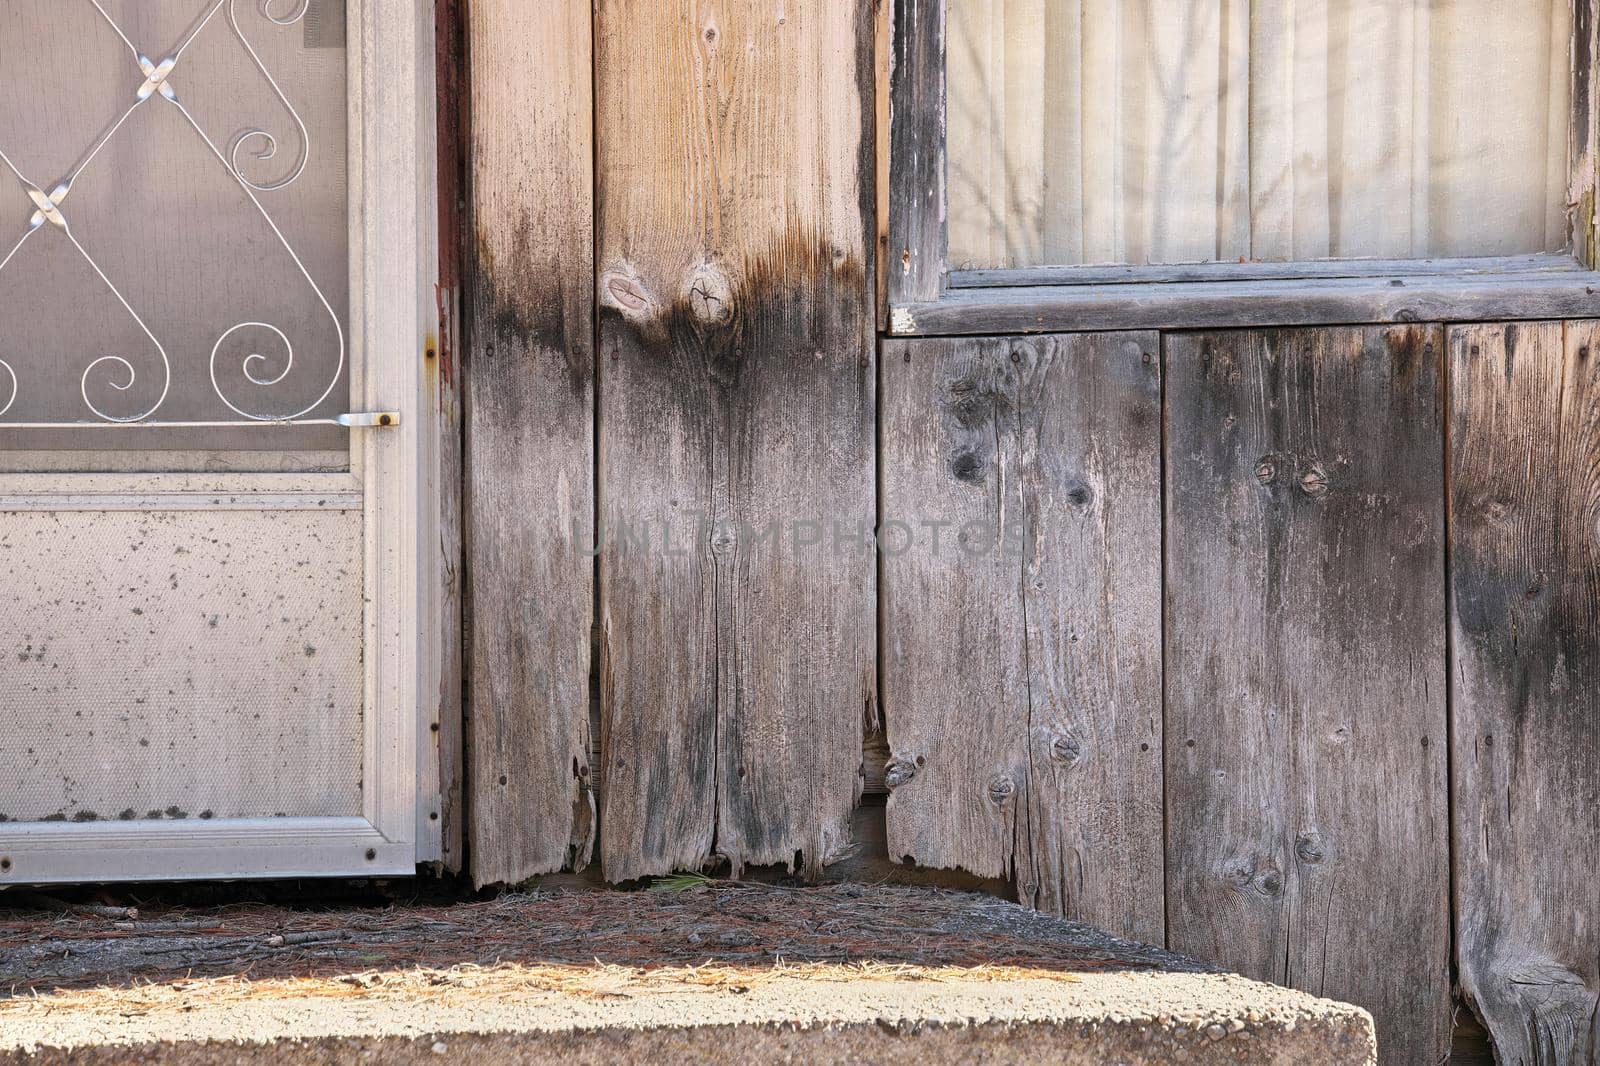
x,y
1525,579
1305,657
760,373
524,310
529,435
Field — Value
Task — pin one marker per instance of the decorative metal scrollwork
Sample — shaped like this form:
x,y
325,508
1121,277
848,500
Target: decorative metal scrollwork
x,y
118,372
269,143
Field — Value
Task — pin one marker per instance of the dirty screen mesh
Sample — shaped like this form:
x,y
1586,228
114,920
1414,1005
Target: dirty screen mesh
x,y
173,222
184,664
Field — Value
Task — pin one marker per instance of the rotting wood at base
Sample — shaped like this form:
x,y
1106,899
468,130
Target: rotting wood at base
x,y
865,861
736,417
529,439
1022,689
1525,617
1305,667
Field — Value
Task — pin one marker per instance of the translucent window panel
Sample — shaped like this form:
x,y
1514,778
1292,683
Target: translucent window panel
x,y
192,262
1173,131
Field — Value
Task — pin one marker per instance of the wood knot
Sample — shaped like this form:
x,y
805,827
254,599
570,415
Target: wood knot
x,y
1066,749
724,538
709,296
1314,483
1308,847
897,772
1238,872
1259,875
967,466
623,290
1266,471
1001,789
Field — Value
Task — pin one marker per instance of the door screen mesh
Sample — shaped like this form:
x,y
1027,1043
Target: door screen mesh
x,y
173,221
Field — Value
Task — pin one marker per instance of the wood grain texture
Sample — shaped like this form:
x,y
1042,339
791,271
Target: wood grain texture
x,y
1305,662
915,268
529,449
1525,620
1141,274
1022,647
444,822
1534,294
882,61
736,417
1581,132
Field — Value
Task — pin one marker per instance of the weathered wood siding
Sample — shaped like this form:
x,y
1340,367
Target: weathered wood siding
x,y
1021,553
530,431
915,184
736,404
1525,615
1305,669
1207,698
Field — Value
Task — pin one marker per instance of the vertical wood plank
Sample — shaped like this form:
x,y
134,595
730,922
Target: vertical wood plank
x,y
530,437
1306,761
1583,168
438,484
736,417
916,265
882,61
1021,550
1525,687
444,823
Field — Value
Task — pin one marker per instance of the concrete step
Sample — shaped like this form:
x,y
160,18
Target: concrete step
x,y
707,972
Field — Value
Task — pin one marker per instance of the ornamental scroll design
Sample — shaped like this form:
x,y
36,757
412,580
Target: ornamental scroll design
x,y
117,372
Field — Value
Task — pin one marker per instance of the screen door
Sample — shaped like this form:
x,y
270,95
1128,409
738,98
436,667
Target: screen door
x,y
204,459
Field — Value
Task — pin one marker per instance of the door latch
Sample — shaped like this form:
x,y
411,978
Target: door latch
x,y
369,419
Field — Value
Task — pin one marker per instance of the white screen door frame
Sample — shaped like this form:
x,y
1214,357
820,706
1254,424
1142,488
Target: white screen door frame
x,y
393,265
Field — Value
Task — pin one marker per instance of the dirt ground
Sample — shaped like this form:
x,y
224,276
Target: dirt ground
x,y
681,922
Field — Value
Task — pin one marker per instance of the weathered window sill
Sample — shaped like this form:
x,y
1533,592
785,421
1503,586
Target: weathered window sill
x,y
977,303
